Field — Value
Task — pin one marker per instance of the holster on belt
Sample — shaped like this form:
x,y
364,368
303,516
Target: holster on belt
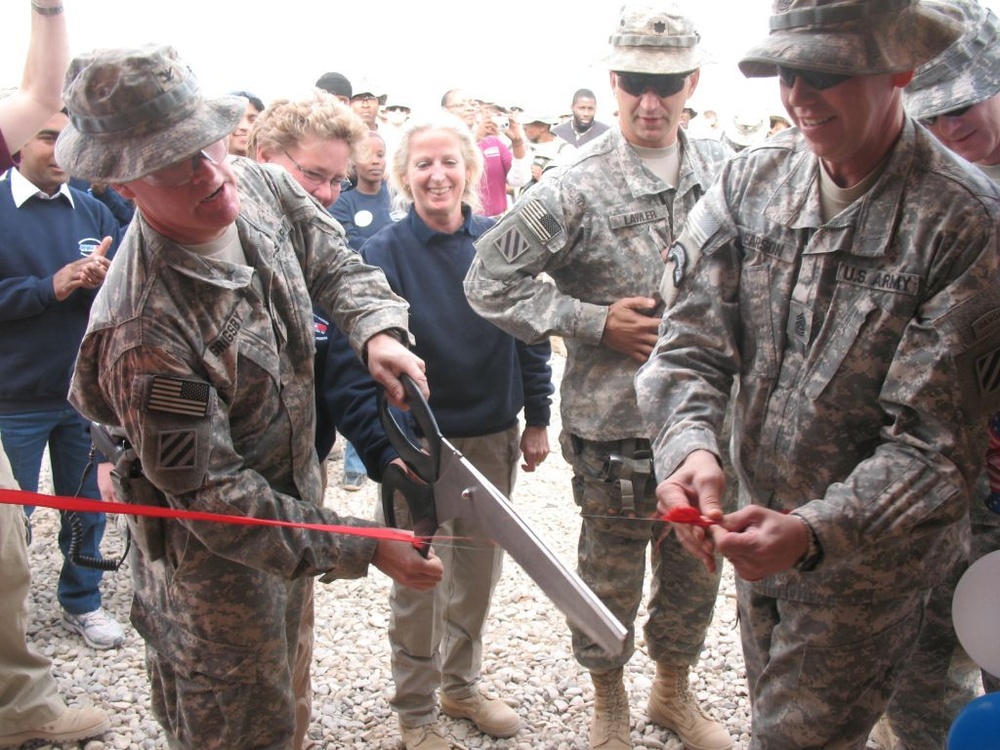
x,y
630,471
132,486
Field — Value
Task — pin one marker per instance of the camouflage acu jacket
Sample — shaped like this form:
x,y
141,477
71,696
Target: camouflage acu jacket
x,y
866,349
208,367
596,230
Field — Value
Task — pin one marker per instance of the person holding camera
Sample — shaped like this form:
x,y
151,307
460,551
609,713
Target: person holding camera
x,y
503,167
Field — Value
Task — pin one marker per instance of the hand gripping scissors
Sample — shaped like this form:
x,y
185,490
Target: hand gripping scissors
x,y
456,489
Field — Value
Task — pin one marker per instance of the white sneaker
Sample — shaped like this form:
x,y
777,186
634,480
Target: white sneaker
x,y
99,629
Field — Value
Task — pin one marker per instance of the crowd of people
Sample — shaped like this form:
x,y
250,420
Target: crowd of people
x,y
781,322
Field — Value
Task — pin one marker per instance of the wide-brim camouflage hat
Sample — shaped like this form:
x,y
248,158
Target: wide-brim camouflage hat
x,y
133,112
659,39
850,37
966,73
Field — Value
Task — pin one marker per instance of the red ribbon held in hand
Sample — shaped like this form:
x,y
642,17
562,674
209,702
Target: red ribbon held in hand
x,y
689,515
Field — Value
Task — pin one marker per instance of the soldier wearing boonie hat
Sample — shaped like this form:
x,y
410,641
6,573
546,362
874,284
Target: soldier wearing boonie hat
x,y
850,317
957,97
199,355
600,228
957,94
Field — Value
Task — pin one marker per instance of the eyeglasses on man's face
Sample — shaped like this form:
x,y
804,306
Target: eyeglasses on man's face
x,y
663,85
930,122
313,177
812,78
182,172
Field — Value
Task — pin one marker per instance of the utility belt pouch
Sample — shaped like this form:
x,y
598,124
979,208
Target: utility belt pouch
x,y
614,486
630,472
131,486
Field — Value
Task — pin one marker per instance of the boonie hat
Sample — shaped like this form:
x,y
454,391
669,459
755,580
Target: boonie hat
x,y
966,73
135,111
850,37
655,38
335,83
746,128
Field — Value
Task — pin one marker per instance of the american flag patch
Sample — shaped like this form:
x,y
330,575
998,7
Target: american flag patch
x,y
539,221
176,396
700,226
177,449
988,372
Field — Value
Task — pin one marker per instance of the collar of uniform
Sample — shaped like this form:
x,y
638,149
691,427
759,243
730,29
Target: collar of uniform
x,y
22,189
218,273
875,211
424,233
641,182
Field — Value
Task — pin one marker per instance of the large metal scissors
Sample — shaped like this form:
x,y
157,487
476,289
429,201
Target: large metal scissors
x,y
456,489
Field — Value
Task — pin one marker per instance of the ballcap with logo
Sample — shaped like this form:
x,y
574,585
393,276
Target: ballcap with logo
x,y
135,111
367,88
658,39
966,73
850,37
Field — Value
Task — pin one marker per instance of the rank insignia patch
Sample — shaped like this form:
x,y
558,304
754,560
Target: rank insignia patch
x,y
177,449
177,396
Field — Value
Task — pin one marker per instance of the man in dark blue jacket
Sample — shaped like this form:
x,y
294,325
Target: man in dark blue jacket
x,y
55,245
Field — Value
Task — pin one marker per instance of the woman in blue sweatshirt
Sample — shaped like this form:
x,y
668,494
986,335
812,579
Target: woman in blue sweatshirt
x,y
480,379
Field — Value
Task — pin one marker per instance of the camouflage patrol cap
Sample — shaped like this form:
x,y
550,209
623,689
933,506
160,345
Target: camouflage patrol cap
x,y
135,111
657,38
966,73
850,37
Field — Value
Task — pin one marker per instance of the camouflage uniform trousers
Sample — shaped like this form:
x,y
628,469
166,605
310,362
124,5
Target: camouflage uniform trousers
x,y
939,679
820,675
202,708
611,559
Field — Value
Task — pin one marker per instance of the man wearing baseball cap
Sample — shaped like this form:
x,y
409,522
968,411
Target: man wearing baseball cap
x,y
199,353
599,230
842,273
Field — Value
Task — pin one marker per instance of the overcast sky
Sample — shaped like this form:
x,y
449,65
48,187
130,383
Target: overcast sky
x,y
534,53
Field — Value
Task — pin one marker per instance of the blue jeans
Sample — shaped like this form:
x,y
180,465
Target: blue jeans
x,y
353,465
65,432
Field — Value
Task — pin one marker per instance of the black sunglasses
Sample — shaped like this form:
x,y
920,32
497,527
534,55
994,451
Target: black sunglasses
x,y
663,86
812,78
929,122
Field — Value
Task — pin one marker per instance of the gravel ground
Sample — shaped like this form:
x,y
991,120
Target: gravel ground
x,y
527,659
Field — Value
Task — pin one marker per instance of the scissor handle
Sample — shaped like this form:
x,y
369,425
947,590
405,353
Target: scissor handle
x,y
425,463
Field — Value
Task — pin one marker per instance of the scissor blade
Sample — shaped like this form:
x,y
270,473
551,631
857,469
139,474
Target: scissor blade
x,y
461,491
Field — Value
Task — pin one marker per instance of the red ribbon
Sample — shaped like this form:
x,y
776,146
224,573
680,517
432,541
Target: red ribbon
x,y
21,497
687,514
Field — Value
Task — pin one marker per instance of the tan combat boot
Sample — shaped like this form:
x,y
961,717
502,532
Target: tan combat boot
x,y
610,728
671,705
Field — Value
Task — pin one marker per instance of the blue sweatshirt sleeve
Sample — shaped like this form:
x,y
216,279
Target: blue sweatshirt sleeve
x,y
350,396
536,379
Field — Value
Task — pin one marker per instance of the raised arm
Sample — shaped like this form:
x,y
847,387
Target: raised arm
x,y
23,113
